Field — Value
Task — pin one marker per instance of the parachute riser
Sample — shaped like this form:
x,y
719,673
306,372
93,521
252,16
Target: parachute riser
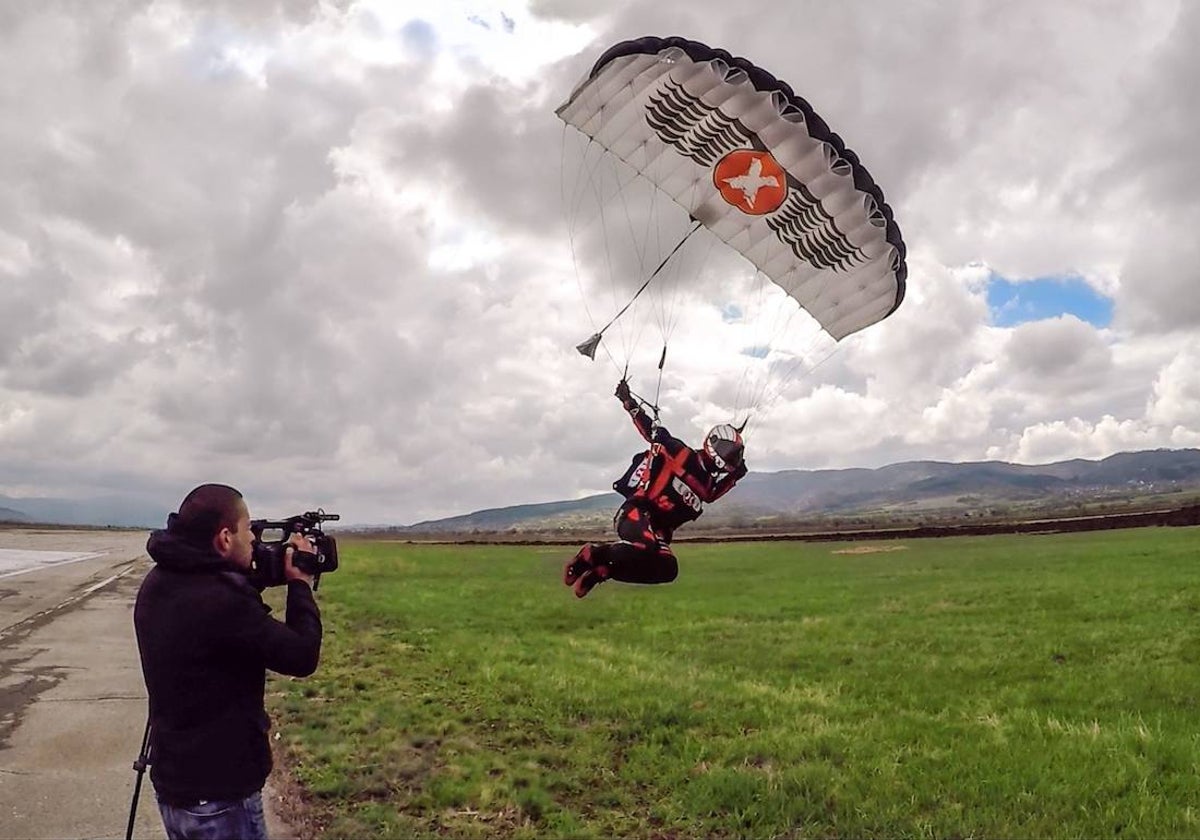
x,y
588,347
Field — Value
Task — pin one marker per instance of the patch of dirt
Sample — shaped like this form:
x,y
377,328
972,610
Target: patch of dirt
x,y
870,549
288,802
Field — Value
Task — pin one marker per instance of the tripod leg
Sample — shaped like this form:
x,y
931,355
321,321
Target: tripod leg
x,y
140,765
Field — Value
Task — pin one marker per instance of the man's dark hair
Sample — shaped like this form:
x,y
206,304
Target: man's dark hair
x,y
206,510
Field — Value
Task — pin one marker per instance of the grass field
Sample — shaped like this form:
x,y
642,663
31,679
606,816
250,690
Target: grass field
x,y
1004,686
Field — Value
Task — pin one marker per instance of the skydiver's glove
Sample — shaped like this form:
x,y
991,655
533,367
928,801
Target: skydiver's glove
x,y
624,395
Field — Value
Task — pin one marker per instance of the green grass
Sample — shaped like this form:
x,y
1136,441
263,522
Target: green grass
x,y
1007,686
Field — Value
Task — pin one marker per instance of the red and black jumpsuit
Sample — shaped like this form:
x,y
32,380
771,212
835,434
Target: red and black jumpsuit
x,y
664,487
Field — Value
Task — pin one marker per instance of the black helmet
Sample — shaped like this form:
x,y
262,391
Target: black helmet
x,y
723,446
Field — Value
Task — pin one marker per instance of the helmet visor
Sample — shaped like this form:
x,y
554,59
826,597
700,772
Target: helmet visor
x,y
724,447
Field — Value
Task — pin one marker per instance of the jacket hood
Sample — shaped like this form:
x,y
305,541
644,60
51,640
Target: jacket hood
x,y
172,551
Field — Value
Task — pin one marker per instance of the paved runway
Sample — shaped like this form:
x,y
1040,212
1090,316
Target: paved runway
x,y
72,701
16,561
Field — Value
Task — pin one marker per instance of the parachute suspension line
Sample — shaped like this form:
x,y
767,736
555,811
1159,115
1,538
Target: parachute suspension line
x,y
670,293
743,395
586,182
763,335
691,262
663,296
761,385
777,326
662,360
592,175
588,348
772,395
623,187
605,168
621,178
572,206
610,181
653,274
601,174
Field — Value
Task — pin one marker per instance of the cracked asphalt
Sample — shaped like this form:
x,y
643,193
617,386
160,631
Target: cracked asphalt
x,y
72,701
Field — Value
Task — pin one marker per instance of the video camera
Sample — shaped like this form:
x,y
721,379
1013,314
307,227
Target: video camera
x,y
268,553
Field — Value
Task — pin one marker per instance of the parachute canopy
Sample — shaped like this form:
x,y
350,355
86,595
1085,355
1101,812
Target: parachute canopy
x,y
753,163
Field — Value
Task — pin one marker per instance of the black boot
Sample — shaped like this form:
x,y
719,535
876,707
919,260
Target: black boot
x,y
579,565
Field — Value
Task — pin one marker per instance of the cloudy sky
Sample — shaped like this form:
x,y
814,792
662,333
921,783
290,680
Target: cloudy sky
x,y
318,250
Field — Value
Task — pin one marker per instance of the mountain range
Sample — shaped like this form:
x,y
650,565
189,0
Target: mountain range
x,y
114,510
905,493
897,494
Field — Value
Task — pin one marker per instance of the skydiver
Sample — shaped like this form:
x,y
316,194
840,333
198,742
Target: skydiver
x,y
664,488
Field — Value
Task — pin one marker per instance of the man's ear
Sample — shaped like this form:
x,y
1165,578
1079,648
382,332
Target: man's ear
x,y
222,542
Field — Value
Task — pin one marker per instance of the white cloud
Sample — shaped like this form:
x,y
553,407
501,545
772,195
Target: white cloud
x,y
1064,350
319,250
1175,400
1077,438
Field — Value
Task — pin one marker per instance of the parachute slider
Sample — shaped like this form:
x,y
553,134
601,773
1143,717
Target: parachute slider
x,y
588,348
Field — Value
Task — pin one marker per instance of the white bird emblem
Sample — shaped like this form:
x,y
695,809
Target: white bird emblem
x,y
752,181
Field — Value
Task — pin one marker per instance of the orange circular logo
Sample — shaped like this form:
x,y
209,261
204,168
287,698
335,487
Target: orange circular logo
x,y
751,181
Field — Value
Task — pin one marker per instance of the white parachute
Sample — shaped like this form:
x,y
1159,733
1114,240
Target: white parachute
x,y
684,163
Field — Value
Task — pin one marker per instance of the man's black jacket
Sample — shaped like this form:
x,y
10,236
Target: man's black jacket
x,y
206,641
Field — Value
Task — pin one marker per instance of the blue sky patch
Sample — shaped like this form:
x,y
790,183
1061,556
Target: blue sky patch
x,y
1046,297
420,37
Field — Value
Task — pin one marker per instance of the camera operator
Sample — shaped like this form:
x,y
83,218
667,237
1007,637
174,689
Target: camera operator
x,y
206,642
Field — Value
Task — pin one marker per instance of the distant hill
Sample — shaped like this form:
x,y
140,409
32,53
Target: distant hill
x,y
914,492
498,519
107,510
978,484
905,492
10,515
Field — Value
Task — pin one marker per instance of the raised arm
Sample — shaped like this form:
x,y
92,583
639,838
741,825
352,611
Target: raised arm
x,y
291,647
725,483
642,421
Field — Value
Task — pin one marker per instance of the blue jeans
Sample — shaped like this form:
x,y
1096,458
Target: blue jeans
x,y
217,819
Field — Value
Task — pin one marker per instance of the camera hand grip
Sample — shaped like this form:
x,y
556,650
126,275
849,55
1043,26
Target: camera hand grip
x,y
306,561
